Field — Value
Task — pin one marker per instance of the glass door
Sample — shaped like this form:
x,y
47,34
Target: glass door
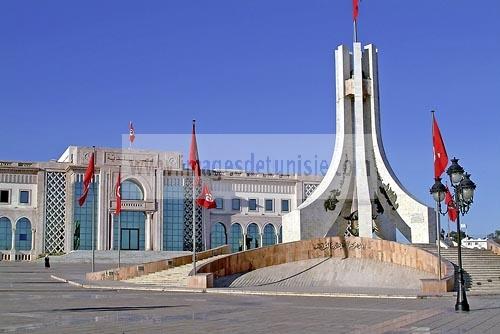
x,y
134,239
130,238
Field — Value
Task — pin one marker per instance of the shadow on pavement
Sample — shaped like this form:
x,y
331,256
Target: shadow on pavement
x,y
115,308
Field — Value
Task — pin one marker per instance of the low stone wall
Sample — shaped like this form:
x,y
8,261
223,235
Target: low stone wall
x,y
15,255
493,246
354,247
5,255
123,273
201,281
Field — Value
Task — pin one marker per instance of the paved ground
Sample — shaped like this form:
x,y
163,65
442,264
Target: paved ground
x,y
31,302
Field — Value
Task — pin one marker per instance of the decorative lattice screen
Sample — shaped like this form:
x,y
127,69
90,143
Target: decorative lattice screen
x,y
55,208
188,217
309,189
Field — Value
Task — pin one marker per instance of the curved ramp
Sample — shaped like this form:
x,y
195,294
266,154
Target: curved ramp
x,y
331,274
381,251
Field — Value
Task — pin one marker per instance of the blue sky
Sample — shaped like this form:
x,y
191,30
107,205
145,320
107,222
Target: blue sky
x,y
75,73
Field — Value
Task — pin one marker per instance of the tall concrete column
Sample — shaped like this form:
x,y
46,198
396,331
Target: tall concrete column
x,y
363,197
33,239
261,237
13,239
112,237
13,246
148,244
244,241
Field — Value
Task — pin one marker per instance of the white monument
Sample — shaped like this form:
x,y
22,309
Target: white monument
x,y
360,194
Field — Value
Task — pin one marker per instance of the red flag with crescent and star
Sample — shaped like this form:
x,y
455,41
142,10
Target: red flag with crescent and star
x,y
118,192
194,160
206,199
450,203
87,178
355,9
131,130
440,155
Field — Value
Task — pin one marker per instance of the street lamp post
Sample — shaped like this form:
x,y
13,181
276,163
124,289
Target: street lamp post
x,y
463,197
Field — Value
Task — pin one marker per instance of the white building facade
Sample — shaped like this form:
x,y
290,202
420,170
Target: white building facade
x,y
39,210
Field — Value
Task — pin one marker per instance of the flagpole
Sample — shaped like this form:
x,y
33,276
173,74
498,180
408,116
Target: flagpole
x,y
194,226
355,13
448,218
439,236
437,210
355,31
93,213
194,219
203,229
119,220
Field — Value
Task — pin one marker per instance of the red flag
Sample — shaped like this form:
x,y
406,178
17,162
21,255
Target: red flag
x,y
452,209
355,9
194,161
440,155
118,192
131,130
89,173
206,199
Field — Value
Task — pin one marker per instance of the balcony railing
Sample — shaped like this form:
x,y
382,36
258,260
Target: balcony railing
x,y
134,205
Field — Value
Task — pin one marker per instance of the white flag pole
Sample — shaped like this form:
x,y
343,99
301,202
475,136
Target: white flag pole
x,y
93,211
194,210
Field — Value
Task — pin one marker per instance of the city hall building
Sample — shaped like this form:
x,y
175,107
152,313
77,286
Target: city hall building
x,y
39,210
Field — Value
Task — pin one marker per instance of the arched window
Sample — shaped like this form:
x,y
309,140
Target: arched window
x,y
253,238
218,235
269,237
236,240
131,190
5,234
23,234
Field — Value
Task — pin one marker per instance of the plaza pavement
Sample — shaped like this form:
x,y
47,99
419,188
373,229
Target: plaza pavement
x,y
32,302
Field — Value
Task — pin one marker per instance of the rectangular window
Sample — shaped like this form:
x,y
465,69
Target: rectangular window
x,y
269,205
24,197
5,196
236,204
219,202
252,204
285,205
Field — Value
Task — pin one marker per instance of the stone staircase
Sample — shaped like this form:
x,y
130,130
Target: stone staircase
x,y
173,277
481,267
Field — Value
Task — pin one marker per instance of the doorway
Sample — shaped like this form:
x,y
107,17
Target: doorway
x,y
132,232
130,238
